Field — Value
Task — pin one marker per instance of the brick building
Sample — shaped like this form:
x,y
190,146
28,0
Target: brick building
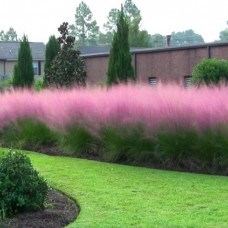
x,y
170,64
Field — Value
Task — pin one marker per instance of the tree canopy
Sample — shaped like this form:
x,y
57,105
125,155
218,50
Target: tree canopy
x,y
10,35
137,37
85,29
157,40
224,35
186,37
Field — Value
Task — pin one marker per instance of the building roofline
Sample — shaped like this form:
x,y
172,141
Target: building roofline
x,y
186,47
104,54
11,60
149,50
2,41
9,50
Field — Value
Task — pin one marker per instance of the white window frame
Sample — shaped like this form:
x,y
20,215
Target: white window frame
x,y
35,65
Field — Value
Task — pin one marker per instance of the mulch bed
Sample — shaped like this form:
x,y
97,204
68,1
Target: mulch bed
x,y
59,212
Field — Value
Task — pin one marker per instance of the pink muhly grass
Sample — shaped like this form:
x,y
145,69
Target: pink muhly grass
x,y
167,106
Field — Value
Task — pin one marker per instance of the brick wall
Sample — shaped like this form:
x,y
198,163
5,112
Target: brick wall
x,y
169,64
96,68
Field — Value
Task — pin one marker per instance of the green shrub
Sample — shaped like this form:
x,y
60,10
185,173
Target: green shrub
x,y
39,84
28,134
5,84
21,188
210,71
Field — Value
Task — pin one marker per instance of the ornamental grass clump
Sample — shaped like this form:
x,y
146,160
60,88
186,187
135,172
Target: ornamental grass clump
x,y
77,140
167,126
27,133
21,187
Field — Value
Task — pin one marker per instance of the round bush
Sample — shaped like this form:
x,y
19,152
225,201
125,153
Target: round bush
x,y
21,188
210,71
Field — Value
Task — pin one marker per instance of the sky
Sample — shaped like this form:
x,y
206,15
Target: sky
x,y
40,19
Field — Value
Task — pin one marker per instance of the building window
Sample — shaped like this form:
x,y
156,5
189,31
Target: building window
x,y
187,81
35,68
152,81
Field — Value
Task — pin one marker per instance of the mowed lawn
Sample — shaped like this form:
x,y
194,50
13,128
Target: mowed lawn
x,y
112,195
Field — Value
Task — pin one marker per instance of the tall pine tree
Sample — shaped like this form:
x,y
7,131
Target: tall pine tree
x,y
120,68
85,29
23,70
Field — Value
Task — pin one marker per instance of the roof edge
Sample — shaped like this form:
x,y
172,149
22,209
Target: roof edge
x,y
148,50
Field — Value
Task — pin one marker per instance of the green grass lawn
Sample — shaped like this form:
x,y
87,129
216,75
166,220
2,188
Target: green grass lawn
x,y
112,195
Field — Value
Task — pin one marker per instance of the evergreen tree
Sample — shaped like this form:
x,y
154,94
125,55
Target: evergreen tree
x,y
120,68
67,68
52,49
23,70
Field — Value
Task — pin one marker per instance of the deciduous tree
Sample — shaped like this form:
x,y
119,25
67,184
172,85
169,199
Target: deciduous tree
x,y
186,37
157,40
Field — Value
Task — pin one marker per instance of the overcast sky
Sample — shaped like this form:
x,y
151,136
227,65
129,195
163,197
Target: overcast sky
x,y
38,19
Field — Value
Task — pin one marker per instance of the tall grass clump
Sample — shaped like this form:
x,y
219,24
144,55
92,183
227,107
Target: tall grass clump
x,y
77,140
127,143
28,133
169,126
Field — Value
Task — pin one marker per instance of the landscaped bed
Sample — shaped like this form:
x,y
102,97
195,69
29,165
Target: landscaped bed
x,y
59,211
112,195
167,128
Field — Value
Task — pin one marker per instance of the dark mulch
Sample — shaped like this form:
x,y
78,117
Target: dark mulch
x,y
59,212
